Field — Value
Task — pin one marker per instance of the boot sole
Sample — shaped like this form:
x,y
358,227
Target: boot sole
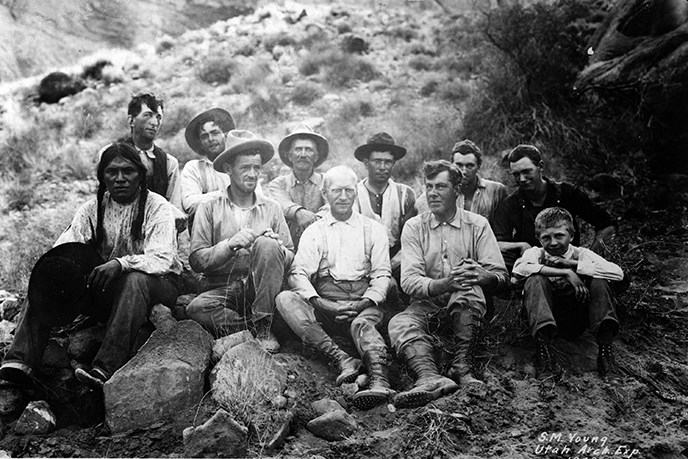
x,y
347,379
366,400
414,399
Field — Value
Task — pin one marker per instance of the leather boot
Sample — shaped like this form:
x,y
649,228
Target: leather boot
x,y
466,327
430,385
378,392
348,367
606,364
545,362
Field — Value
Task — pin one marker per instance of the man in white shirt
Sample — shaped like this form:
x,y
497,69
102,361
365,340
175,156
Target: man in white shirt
x,y
340,279
200,182
566,290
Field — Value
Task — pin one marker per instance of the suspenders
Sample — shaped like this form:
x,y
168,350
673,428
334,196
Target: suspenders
x,y
324,265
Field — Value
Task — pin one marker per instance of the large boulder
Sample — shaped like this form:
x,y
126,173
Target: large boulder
x,y
219,436
57,85
164,380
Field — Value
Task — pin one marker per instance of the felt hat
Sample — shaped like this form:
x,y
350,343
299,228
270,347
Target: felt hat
x,y
299,132
57,286
380,142
221,117
238,141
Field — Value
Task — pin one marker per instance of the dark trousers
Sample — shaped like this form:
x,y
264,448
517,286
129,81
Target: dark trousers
x,y
549,303
124,307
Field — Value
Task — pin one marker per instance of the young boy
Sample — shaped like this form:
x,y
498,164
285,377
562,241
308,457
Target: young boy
x,y
566,290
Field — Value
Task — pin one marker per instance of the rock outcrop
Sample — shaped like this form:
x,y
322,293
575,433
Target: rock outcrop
x,y
164,380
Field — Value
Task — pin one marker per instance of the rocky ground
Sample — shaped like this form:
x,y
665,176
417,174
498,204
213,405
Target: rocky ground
x,y
414,91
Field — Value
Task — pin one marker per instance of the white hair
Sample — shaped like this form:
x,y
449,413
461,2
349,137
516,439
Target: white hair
x,y
338,171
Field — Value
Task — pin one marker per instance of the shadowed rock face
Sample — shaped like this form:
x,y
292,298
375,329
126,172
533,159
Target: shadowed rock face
x,y
642,49
50,33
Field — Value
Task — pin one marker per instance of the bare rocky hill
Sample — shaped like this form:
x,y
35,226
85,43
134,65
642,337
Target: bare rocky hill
x,y
41,34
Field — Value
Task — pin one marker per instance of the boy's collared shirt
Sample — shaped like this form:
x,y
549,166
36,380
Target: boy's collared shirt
x,y
589,264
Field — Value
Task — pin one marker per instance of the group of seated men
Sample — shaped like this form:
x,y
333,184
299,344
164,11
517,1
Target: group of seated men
x,y
364,259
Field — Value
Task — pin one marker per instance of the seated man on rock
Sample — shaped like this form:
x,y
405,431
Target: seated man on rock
x,y
242,246
340,279
450,259
566,289
133,230
300,193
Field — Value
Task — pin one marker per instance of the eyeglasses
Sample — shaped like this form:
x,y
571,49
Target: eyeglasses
x,y
347,191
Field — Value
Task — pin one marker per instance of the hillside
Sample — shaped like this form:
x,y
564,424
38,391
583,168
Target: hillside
x,y
38,35
350,69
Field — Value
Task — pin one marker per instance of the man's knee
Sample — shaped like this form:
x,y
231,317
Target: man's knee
x,y
537,281
285,302
133,280
264,245
599,286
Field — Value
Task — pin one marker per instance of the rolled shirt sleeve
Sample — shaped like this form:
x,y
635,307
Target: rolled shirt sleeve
x,y
205,253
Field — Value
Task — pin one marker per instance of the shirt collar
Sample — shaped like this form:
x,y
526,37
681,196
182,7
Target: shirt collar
x,y
481,182
150,152
315,179
352,221
455,222
260,200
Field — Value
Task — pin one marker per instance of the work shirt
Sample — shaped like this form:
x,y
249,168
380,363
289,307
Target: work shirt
x,y
515,217
486,199
155,253
293,194
215,223
346,255
200,182
589,264
393,208
431,248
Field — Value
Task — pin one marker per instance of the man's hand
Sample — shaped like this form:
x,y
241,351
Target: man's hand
x,y
102,276
581,291
243,239
470,273
559,262
304,218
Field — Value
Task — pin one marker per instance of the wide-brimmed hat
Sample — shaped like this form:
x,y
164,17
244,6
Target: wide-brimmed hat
x,y
380,142
219,115
238,141
304,131
57,286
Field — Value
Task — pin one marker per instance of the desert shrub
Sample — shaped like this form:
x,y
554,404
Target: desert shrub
x,y
255,72
419,48
406,33
453,91
246,49
352,110
87,122
18,149
343,27
20,249
19,194
429,87
526,94
305,93
420,62
279,39
177,116
215,70
338,69
164,44
427,131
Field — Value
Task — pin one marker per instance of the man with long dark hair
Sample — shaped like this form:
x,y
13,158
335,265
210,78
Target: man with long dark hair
x,y
133,231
